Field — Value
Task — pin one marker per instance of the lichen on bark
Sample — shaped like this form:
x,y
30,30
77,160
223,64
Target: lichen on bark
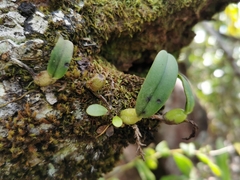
x,y
45,132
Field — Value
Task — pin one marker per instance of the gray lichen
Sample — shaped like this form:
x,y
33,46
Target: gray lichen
x,y
11,26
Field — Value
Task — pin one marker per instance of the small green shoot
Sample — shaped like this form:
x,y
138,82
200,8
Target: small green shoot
x,y
60,58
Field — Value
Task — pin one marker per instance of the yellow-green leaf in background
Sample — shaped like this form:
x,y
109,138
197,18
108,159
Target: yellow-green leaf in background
x,y
183,163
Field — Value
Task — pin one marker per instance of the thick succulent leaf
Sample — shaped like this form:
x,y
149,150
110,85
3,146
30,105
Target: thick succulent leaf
x,y
158,85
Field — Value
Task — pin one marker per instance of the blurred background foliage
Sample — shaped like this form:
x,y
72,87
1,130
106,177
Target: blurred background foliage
x,y
213,63
213,66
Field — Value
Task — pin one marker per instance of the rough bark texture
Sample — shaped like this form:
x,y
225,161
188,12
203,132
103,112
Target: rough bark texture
x,y
44,131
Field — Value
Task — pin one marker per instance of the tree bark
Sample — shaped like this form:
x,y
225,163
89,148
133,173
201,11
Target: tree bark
x,y
45,132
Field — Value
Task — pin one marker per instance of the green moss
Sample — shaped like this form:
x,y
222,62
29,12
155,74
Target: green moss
x,y
47,147
149,24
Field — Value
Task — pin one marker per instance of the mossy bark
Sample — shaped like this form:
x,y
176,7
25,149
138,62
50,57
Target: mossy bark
x,y
45,132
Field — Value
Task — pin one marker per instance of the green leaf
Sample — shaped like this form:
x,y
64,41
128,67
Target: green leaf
x,y
174,177
222,161
96,110
158,85
190,101
163,148
215,169
144,171
117,121
60,58
205,159
184,164
202,157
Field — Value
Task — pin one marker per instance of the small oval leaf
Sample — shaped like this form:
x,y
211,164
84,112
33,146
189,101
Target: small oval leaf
x,y
117,121
96,110
60,58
